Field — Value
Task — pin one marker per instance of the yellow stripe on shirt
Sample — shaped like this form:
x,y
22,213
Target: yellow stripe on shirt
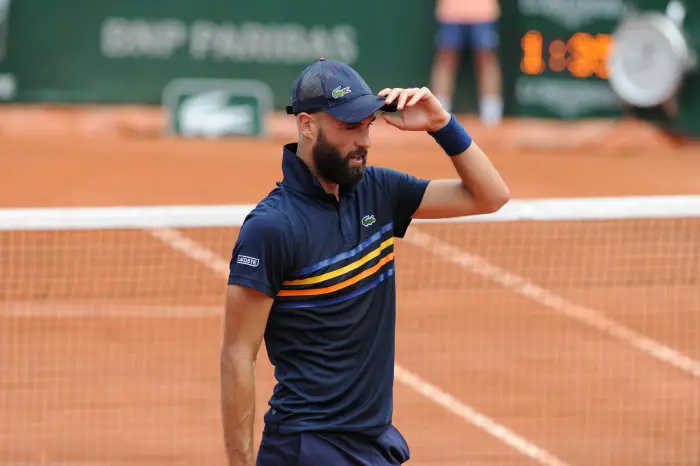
x,y
348,268
339,286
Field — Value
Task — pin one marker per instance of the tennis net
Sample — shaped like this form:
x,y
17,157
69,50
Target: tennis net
x,y
562,330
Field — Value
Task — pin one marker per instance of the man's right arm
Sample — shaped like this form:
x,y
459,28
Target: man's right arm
x,y
244,325
259,261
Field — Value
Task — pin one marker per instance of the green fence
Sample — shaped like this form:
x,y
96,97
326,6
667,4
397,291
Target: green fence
x,y
127,51
122,51
108,51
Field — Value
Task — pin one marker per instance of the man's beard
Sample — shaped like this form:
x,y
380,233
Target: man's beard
x,y
334,167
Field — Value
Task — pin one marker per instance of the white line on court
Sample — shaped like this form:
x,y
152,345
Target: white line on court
x,y
59,309
81,463
215,262
524,287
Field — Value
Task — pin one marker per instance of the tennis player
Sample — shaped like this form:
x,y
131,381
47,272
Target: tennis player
x,y
312,272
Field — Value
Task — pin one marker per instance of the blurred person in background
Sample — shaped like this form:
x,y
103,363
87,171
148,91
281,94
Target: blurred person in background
x,y
473,23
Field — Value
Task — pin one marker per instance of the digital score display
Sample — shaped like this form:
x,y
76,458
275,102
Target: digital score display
x,y
582,55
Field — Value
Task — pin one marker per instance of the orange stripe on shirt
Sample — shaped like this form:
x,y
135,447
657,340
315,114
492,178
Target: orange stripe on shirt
x,y
341,285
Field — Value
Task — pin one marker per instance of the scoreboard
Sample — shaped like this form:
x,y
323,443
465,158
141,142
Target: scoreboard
x,y
554,57
582,55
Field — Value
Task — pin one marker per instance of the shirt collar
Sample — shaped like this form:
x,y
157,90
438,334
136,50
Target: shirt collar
x,y
298,176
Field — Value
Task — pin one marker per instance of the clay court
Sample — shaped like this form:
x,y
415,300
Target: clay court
x,y
519,342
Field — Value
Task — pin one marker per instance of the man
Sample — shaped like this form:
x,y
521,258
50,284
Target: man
x,y
474,23
312,271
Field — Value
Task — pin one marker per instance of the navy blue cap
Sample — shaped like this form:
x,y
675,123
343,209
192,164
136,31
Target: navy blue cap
x,y
337,89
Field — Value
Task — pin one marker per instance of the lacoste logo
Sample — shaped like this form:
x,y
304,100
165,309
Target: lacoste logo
x,y
339,92
211,114
245,260
368,220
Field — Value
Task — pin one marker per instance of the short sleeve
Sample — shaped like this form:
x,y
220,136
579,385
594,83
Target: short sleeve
x,y
262,254
406,194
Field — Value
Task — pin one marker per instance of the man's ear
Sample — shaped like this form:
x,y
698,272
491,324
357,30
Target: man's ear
x,y
308,125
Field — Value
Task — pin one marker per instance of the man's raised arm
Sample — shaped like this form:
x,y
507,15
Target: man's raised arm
x,y
479,188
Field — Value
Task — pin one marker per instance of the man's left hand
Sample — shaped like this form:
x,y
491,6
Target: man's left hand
x,y
419,109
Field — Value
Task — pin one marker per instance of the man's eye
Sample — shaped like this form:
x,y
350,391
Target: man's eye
x,y
354,127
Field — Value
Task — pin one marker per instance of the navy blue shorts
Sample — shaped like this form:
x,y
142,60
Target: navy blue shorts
x,y
480,36
331,448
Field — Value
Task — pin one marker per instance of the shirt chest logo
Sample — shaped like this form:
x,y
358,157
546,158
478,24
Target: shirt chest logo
x,y
368,220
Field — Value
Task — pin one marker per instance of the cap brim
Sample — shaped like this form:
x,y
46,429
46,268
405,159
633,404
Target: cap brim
x,y
359,108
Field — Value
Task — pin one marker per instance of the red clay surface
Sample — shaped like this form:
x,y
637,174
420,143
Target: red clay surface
x,y
109,340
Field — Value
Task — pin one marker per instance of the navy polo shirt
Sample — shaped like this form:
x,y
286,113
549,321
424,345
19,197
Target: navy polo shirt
x,y
329,265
